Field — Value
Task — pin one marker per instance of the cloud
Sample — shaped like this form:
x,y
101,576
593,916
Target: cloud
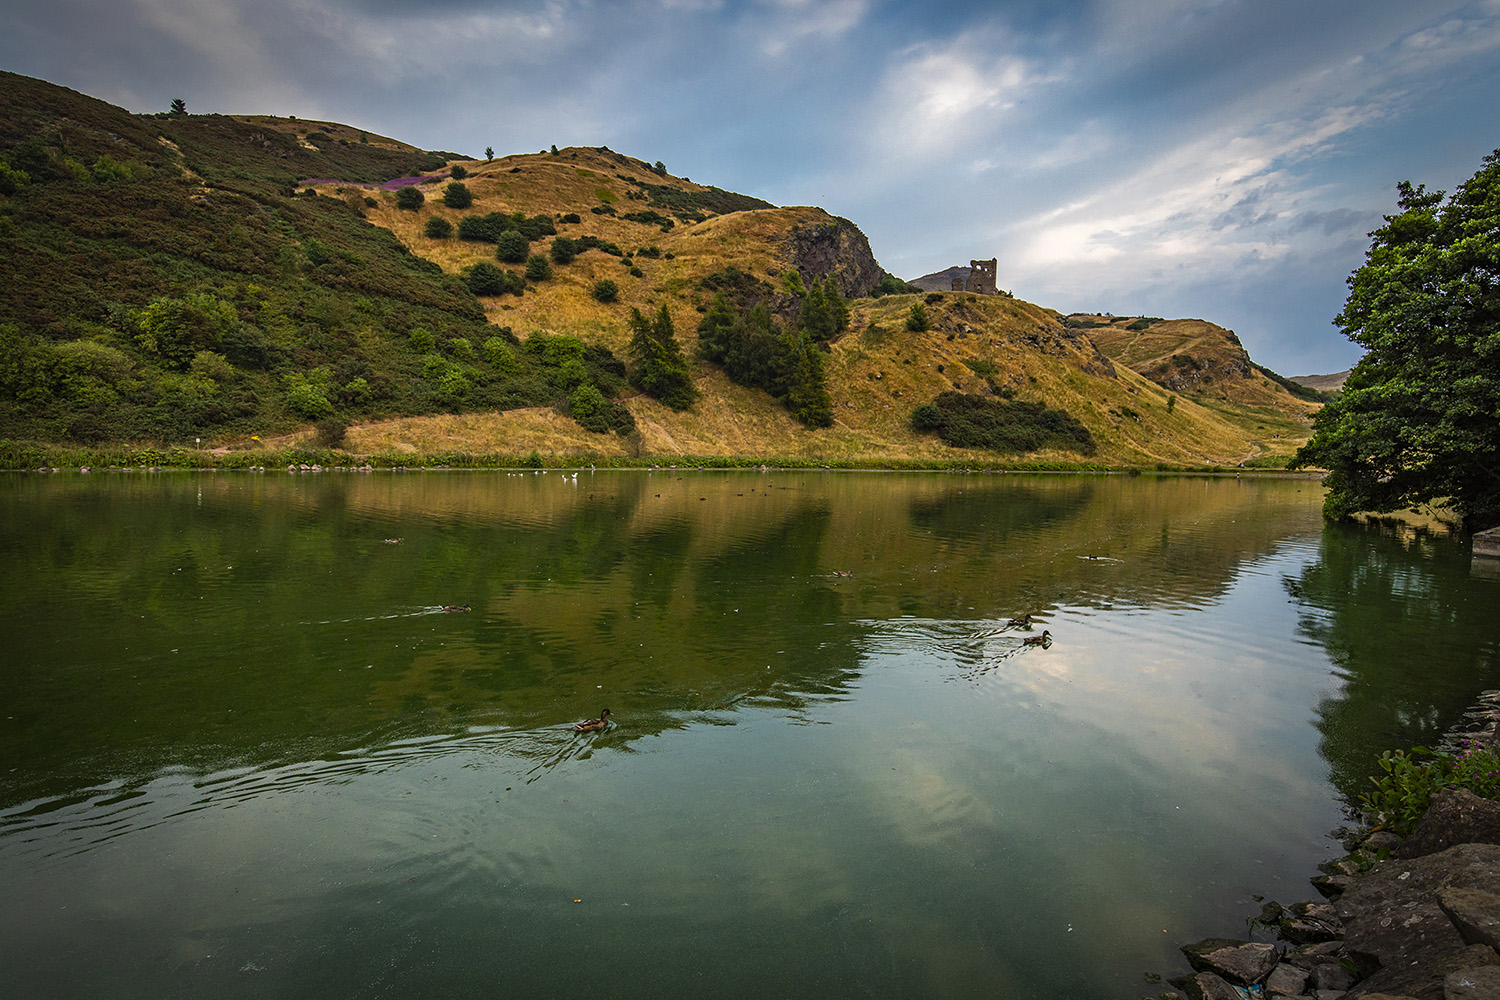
x,y
793,22
938,99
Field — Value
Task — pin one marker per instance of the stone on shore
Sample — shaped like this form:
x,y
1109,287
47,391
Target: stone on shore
x,y
1242,962
1455,816
1400,940
1482,983
1206,986
1475,913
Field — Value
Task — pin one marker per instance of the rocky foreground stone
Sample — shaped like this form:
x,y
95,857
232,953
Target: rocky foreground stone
x,y
1417,919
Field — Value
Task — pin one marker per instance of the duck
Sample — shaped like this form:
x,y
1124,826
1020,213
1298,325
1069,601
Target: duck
x,y
1022,622
593,725
1038,640
457,607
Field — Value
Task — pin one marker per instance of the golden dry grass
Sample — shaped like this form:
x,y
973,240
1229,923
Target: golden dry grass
x,y
877,374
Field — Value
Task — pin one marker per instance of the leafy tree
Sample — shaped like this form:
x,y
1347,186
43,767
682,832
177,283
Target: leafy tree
x,y
457,195
662,368
175,329
489,153
1419,417
889,284
410,198
179,106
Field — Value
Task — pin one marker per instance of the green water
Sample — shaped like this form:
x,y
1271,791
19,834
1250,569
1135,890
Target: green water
x,y
244,753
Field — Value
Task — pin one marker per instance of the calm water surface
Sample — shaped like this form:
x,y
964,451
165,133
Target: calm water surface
x,y
244,753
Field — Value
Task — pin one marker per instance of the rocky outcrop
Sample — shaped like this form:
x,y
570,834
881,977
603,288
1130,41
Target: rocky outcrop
x,y
838,248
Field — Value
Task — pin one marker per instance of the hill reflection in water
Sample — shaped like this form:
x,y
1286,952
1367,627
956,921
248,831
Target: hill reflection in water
x,y
831,751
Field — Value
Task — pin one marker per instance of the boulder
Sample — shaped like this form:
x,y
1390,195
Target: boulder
x,y
1286,981
1242,962
1206,986
1456,816
1475,913
1482,983
1307,923
1400,940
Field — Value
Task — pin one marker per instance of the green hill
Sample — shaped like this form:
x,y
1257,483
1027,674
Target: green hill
x,y
240,279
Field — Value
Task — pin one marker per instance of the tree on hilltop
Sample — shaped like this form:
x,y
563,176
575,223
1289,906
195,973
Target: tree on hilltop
x,y
1419,417
179,106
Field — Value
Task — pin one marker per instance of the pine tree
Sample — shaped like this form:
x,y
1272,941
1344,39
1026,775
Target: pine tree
x,y
662,367
806,389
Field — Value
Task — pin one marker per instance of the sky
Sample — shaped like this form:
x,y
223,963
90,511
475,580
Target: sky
x,y
1217,159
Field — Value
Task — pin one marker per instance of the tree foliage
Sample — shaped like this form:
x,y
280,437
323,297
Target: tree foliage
x,y
1419,417
662,369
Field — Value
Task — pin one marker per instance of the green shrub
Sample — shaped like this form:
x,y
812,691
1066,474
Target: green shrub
x,y
410,198
538,268
1410,780
485,278
512,247
917,320
1006,425
459,172
926,417
438,228
606,290
456,195
563,250
307,394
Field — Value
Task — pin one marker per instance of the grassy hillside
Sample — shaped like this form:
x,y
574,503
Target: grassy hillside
x,y
254,282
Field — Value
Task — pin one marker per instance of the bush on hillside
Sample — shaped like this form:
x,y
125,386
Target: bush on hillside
x,y
966,421
538,268
606,291
456,195
917,320
410,198
438,228
512,247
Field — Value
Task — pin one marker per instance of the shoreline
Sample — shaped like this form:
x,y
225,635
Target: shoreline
x,y
1399,918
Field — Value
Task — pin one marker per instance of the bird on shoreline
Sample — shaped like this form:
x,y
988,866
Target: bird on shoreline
x,y
593,725
1038,640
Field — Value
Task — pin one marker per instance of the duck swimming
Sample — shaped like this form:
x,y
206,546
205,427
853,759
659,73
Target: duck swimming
x,y
1022,622
457,607
1038,640
593,725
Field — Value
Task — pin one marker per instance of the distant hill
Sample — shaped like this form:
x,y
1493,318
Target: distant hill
x,y
251,281
1196,358
1323,383
942,281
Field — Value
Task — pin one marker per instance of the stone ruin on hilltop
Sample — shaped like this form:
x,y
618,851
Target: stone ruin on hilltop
x,y
981,278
